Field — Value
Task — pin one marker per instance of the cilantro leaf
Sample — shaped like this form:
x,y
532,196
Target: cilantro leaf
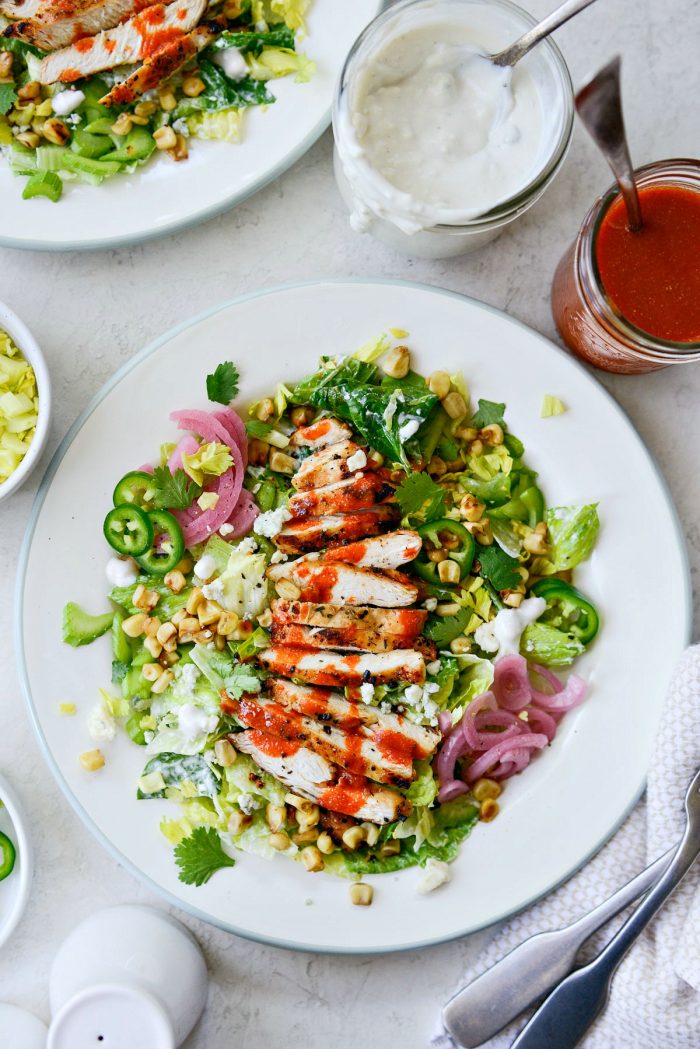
x,y
239,680
256,428
173,491
8,97
487,413
418,494
443,629
222,384
498,567
201,855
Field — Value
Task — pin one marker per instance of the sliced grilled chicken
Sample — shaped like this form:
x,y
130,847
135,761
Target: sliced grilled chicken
x,y
140,38
389,760
339,584
329,465
320,433
311,776
406,622
313,533
159,67
383,551
349,639
356,492
338,669
59,23
333,709
20,8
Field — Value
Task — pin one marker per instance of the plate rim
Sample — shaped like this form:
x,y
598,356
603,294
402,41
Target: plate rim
x,y
42,491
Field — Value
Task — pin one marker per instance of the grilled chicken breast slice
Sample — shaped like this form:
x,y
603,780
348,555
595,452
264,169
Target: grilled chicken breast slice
x,y
388,758
159,67
348,639
340,670
383,551
58,23
311,776
320,433
332,708
133,41
339,584
406,622
356,492
329,465
20,8
313,533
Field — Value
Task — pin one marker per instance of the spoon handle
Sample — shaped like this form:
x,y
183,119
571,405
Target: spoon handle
x,y
533,36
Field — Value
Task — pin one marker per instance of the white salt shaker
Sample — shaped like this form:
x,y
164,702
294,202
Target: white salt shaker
x,y
128,977
20,1029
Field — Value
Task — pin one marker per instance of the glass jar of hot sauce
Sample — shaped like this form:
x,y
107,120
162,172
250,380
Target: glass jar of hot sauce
x,y
648,314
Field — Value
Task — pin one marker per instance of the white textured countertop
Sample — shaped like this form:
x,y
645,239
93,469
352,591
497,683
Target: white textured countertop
x,y
90,312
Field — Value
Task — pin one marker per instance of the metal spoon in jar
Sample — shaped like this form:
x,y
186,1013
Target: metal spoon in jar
x,y
599,105
527,41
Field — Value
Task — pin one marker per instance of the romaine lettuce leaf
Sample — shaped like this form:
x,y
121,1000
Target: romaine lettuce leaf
x,y
572,532
545,644
179,768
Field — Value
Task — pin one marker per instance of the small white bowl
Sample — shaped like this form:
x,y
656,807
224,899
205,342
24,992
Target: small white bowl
x,y
14,890
27,345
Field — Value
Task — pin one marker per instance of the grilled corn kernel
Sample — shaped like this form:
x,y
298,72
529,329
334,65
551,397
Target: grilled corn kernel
x,y
265,618
192,86
194,601
447,608
390,848
279,841
145,599
67,709
306,837
134,625
486,788
282,463
297,802
265,409
512,598
151,626
437,556
167,100
56,131
224,753
361,894
145,109
151,671
372,832
180,150
238,821
165,632
397,362
471,509
492,434
353,837
541,529
219,642
178,616
122,125
29,91
309,817
175,581
6,64
312,858
169,659
455,405
165,679
187,626
243,630
481,530
287,589
476,447
488,810
448,571
302,416
30,139
466,433
439,384
535,544
258,452
227,624
437,466
209,613
203,637
153,646
325,844
276,816
92,760
460,645
165,137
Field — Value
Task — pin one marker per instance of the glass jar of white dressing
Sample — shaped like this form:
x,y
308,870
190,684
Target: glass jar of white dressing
x,y
437,149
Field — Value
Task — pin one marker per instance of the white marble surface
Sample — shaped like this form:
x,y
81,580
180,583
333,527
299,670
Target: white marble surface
x,y
90,312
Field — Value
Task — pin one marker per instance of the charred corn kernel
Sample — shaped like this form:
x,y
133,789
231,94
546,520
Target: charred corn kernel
x,y
307,818
219,642
325,844
243,630
265,618
56,131
353,837
439,384
44,109
455,405
301,416
165,632
165,679
471,509
175,581
448,571
224,753
512,598
476,447
203,637
535,543
153,646
209,613
296,801
177,617
449,540
361,894
437,466
180,150
169,659
67,708
279,841
258,452
184,566
265,409
227,624
167,100
30,139
122,125
134,625
29,91
492,434
447,608
485,788
92,760
488,810
466,433
238,821
372,832
165,137
306,837
194,601
144,598
481,530
151,626
396,362
390,848
541,528
312,859
460,645
437,556
276,816
145,109
282,463
6,64
287,589
187,626
152,671
192,86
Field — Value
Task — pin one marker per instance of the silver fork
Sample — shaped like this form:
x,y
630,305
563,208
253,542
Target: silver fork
x,y
563,1019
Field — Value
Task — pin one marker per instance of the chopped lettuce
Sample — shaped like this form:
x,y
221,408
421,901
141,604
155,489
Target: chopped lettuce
x,y
572,532
221,92
178,769
551,406
224,125
545,644
423,790
222,671
277,62
210,460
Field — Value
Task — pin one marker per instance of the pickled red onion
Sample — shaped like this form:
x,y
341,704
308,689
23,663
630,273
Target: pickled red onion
x,y
511,685
187,445
569,697
243,515
505,749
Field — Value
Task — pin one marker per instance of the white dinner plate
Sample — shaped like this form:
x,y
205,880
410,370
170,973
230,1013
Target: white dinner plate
x,y
163,196
571,799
